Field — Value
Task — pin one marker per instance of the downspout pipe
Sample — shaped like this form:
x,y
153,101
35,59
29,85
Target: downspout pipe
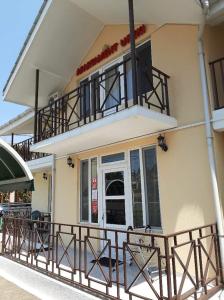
x,y
209,133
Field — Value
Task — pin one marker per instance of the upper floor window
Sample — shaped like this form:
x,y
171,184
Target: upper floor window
x,y
112,84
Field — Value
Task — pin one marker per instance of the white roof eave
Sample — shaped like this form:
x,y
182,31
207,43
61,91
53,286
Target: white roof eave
x,y
66,29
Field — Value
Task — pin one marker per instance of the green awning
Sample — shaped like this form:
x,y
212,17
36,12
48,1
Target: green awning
x,y
14,172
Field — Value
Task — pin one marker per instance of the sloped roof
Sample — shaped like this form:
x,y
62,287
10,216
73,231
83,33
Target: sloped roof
x,y
64,31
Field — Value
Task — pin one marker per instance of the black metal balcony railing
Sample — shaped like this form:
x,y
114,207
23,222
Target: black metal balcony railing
x,y
23,149
104,94
119,264
217,73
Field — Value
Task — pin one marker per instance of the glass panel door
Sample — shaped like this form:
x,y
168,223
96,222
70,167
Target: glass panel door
x,y
112,87
115,198
116,211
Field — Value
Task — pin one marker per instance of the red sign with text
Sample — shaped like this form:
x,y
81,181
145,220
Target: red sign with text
x,y
94,206
110,50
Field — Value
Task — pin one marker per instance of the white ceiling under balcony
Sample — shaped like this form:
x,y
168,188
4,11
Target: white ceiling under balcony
x,y
64,32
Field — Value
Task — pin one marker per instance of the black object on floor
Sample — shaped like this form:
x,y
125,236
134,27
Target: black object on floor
x,y
105,262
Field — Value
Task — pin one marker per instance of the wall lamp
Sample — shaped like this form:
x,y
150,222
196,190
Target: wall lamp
x,y
70,162
45,176
162,143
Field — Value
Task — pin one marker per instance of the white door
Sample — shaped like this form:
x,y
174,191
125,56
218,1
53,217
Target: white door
x,y
116,205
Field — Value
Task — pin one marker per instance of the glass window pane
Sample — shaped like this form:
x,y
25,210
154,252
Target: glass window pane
x,y
114,184
94,192
84,191
112,158
136,188
115,211
151,188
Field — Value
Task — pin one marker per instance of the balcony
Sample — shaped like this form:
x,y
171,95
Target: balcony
x,y
23,149
102,111
217,74
119,264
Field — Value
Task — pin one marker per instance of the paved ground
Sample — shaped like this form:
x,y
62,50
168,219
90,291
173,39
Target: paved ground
x,y
218,296
9,291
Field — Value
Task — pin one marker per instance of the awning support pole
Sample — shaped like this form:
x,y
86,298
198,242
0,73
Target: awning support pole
x,y
36,104
12,139
133,51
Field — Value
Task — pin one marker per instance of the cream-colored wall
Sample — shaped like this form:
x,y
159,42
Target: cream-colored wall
x,y
66,193
41,193
174,51
184,180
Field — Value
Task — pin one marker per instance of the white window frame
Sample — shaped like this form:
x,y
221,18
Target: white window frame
x,y
160,229
89,190
113,165
109,64
143,192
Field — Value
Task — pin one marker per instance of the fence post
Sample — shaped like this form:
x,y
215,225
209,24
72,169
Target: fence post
x,y
221,271
3,234
168,268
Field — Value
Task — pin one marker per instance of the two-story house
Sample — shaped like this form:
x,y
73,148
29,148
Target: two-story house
x,y
120,98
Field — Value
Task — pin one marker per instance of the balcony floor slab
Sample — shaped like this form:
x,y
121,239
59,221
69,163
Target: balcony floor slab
x,y
124,125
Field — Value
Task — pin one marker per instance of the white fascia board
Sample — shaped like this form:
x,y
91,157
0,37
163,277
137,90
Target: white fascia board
x,y
46,8
40,163
11,125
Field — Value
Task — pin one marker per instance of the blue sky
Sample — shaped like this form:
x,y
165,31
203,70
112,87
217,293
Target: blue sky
x,y
16,19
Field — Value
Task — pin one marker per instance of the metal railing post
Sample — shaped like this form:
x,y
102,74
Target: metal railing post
x,y
168,268
36,105
133,51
